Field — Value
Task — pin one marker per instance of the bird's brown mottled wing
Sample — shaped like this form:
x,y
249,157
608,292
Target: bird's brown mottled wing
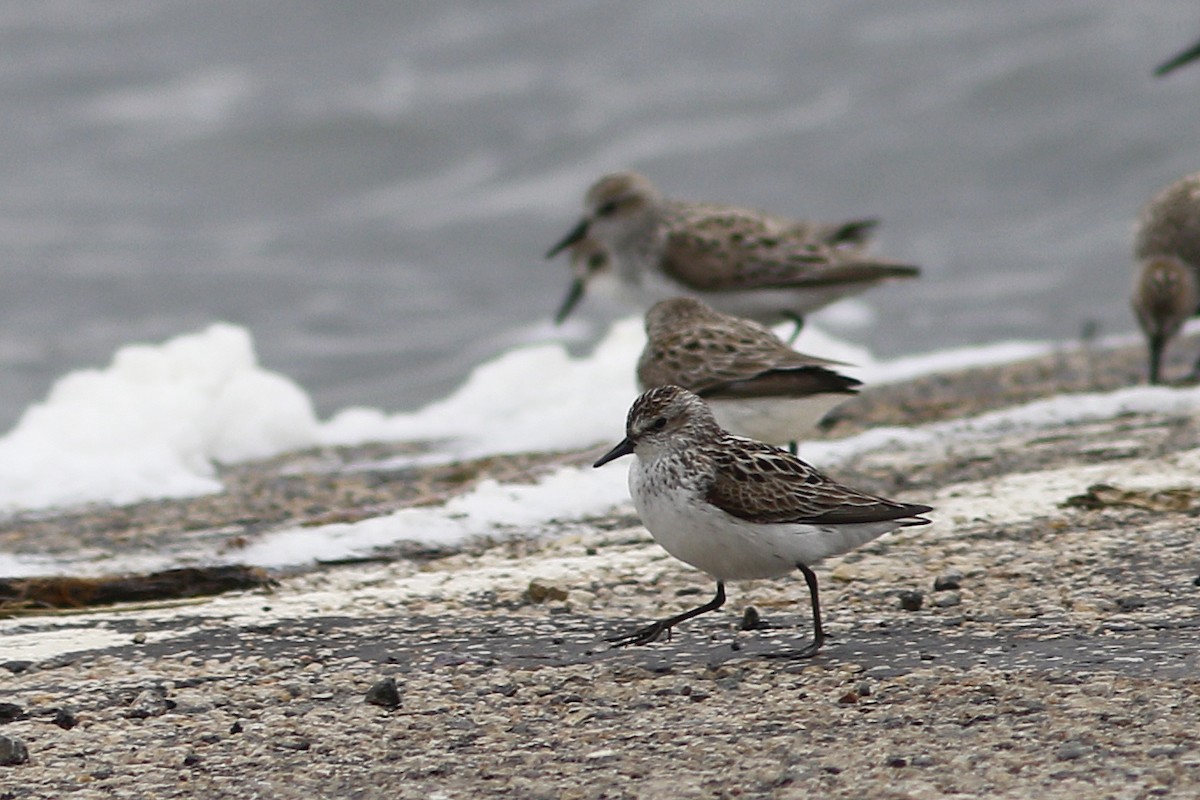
x,y
775,486
732,252
723,252
706,358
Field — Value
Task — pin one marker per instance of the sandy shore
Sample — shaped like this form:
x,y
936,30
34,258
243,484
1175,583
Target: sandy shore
x,y
1059,658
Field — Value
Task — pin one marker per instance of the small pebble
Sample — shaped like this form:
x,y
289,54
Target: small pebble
x,y
911,600
293,743
1071,751
540,593
897,761
1130,602
139,638
150,703
384,693
17,667
948,600
10,712
12,751
751,621
947,581
65,718
863,689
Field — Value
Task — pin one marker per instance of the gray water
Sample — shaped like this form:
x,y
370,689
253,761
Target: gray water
x,y
369,187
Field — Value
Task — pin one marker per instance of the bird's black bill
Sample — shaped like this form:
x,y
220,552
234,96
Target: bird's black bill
x,y
1176,61
577,233
574,295
622,449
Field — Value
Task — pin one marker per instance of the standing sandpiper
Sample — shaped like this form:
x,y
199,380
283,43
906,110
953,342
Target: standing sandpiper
x,y
1166,290
742,262
756,385
739,509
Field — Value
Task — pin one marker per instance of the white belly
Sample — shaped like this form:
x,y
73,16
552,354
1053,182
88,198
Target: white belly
x,y
729,548
774,420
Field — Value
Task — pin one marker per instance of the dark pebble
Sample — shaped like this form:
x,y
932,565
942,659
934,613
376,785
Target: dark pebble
x,y
1197,581
947,582
10,712
911,600
948,600
1071,751
897,761
191,760
863,689
848,699
384,693
65,718
236,727
12,751
17,667
751,621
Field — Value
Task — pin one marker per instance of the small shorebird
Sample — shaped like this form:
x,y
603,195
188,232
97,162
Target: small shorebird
x,y
1166,290
742,262
756,385
739,509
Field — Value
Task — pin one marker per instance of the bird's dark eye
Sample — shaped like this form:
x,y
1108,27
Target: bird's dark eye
x,y
596,261
659,424
607,208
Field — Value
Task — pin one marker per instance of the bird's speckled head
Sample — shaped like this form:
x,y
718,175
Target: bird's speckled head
x,y
663,419
620,206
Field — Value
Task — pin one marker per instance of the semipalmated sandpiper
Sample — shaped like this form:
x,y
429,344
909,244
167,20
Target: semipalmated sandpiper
x,y
742,262
739,509
756,385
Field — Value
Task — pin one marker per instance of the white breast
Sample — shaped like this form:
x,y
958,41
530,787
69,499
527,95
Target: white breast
x,y
729,548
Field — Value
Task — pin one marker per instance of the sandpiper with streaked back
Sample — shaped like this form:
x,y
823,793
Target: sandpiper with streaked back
x,y
756,385
1166,288
740,261
739,509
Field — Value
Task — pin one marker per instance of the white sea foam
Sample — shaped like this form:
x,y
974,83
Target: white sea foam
x,y
157,421
152,424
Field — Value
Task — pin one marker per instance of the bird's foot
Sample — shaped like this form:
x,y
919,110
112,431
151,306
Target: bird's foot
x,y
645,635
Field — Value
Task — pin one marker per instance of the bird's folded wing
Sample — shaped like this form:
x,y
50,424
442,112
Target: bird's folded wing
x,y
776,487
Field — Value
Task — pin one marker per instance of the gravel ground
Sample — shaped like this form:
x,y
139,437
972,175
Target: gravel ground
x,y
1040,639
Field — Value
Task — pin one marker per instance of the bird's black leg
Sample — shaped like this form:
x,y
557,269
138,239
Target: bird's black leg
x,y
654,630
818,632
794,447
